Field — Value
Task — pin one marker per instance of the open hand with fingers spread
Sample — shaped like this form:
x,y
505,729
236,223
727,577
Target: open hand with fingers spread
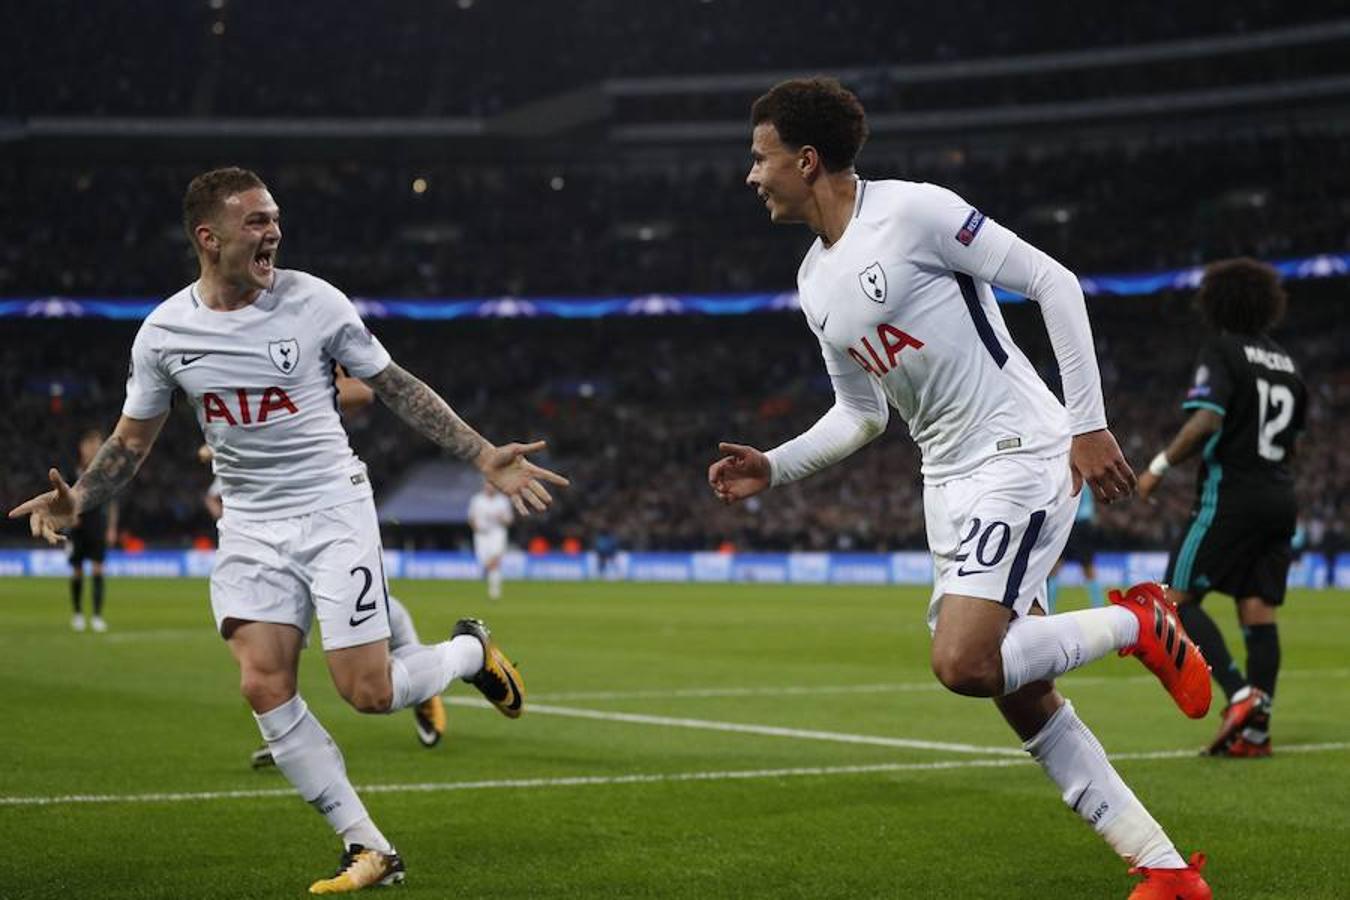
x,y
51,513
518,478
741,473
1096,458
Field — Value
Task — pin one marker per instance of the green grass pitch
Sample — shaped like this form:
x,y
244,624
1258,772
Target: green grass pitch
x,y
630,778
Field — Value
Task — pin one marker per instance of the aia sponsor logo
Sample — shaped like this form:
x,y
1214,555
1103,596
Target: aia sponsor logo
x,y
240,408
884,355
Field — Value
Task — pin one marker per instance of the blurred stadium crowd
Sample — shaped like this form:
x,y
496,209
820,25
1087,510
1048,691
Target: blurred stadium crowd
x,y
592,228
633,410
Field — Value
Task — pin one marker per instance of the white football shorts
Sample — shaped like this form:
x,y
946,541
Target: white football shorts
x,y
488,545
327,563
996,533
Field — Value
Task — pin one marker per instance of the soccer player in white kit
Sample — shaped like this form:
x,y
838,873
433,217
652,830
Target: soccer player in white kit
x,y
255,348
489,517
896,288
429,717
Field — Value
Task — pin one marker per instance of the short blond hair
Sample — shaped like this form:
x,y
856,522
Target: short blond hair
x,y
208,191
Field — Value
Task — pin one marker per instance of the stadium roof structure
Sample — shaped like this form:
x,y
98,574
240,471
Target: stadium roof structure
x,y
1097,87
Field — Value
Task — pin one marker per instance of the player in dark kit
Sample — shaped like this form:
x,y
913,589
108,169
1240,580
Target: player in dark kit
x,y
89,540
1247,405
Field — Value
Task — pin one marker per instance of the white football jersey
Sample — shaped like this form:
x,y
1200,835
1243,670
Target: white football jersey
x,y
262,382
905,296
490,515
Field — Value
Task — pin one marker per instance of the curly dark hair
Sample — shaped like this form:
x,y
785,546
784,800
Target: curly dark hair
x,y
819,112
1242,296
208,191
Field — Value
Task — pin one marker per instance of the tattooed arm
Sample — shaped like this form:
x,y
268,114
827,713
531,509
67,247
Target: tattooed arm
x,y
423,409
112,467
116,461
505,466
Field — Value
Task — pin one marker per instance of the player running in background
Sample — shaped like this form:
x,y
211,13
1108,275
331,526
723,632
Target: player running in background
x,y
896,288
489,517
1082,549
90,539
1247,406
254,349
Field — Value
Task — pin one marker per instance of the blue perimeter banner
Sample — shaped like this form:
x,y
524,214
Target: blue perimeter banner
x,y
1331,265
907,568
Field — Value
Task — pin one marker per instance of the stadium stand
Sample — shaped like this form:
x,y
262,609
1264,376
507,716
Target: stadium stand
x,y
591,155
485,229
219,58
663,391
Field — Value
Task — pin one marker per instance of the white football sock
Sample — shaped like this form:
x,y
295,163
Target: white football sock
x,y
1038,648
494,580
367,835
463,656
402,632
1074,759
313,764
421,671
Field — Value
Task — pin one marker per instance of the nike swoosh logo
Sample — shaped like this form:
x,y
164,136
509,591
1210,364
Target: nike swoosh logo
x,y
964,571
823,319
1079,802
189,360
513,702
354,621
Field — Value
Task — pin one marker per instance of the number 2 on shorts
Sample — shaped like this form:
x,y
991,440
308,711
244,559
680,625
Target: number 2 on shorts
x,y
361,605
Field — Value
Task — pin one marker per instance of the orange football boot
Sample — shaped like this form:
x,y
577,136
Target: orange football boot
x,y
1241,748
1165,649
1249,703
1173,884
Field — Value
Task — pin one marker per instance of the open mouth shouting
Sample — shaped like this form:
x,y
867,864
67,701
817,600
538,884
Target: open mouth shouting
x,y
263,262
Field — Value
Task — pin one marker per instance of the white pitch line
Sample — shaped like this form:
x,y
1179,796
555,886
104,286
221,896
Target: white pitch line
x,y
784,691
741,728
601,780
899,687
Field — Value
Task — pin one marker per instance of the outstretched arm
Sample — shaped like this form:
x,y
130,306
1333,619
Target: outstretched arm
x,y
1196,430
112,467
506,466
859,414
422,408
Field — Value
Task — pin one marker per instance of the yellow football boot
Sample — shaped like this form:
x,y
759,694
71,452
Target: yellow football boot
x,y
361,868
429,716
498,680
